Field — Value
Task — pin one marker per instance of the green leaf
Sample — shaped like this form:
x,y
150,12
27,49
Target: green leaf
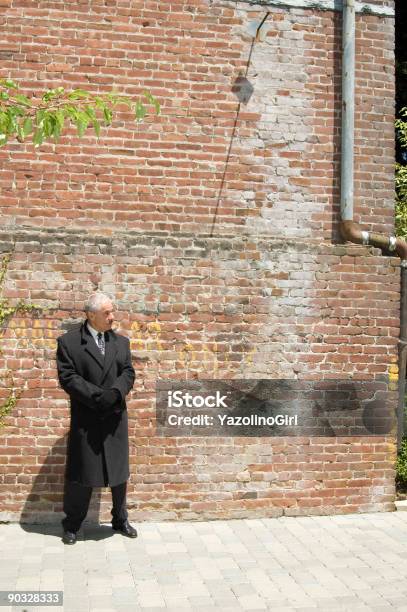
x,y
90,112
100,103
17,111
77,94
152,101
54,126
12,120
82,122
4,95
20,133
48,124
48,95
27,126
10,84
38,138
140,111
60,118
39,117
96,126
107,114
113,98
81,127
71,112
22,99
52,93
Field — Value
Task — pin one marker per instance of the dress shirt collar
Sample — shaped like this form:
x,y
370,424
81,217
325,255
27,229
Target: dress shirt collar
x,y
93,331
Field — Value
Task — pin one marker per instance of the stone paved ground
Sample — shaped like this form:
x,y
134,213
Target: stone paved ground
x,y
351,562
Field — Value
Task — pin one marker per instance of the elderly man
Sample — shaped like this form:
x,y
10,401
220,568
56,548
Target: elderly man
x,y
95,369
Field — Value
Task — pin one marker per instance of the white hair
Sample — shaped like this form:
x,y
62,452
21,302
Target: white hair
x,y
96,301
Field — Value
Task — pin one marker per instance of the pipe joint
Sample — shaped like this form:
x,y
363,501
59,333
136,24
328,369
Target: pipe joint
x,y
365,237
392,243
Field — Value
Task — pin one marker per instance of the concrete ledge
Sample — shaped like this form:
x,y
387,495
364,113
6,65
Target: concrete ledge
x,y
367,8
401,504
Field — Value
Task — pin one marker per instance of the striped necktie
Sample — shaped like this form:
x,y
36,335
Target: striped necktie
x,y
101,342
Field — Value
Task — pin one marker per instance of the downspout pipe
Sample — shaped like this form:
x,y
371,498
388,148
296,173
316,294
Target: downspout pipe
x,y
348,109
350,230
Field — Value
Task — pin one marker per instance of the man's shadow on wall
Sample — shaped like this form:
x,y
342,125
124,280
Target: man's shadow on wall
x,y
43,508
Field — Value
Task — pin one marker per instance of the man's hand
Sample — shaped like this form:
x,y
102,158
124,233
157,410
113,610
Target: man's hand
x,y
109,400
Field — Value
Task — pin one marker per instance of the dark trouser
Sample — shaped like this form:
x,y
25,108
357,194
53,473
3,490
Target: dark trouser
x,y
76,505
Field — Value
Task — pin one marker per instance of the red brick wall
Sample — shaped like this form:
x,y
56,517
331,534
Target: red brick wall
x,y
214,227
167,174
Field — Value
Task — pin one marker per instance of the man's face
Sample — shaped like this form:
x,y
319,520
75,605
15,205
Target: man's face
x,y
102,319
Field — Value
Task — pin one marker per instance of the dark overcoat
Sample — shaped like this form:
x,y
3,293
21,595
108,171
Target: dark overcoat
x,y
98,445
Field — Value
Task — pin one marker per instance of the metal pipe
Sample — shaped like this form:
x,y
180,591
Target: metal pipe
x,y
348,109
349,229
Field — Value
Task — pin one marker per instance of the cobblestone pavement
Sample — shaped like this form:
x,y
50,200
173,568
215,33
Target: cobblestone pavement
x,y
350,562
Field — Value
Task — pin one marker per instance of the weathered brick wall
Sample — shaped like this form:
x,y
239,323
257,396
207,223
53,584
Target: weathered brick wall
x,y
209,308
214,227
171,172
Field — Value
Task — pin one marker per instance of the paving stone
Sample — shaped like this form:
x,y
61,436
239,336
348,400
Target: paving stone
x,y
200,601
223,602
252,602
243,589
219,588
100,601
122,581
212,609
124,596
76,607
169,579
151,602
177,602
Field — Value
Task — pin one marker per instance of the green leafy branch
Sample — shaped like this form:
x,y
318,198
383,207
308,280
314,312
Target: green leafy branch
x,y
6,312
9,404
401,177
45,116
401,466
401,128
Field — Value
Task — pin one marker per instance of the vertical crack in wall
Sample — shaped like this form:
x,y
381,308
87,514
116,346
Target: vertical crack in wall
x,y
241,97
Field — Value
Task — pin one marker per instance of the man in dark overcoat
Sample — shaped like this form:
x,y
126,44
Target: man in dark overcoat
x,y
95,369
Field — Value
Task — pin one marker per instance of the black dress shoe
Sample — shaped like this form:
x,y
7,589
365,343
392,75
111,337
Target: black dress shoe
x,y
69,537
126,529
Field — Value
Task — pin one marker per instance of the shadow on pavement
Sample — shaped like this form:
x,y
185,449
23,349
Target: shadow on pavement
x,y
43,511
